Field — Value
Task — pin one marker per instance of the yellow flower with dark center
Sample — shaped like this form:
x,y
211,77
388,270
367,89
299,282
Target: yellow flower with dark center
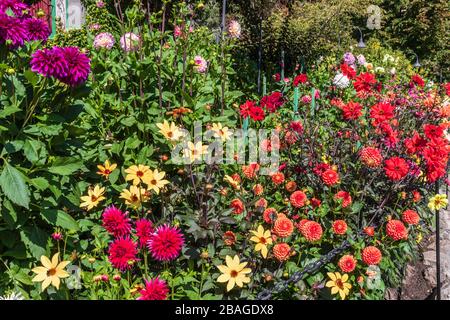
x,y
170,131
137,173
134,196
338,284
222,132
155,180
51,271
195,152
262,239
234,272
93,198
106,169
438,202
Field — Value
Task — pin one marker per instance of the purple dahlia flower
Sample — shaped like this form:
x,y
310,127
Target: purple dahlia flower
x,y
78,65
36,29
16,7
12,29
349,58
49,63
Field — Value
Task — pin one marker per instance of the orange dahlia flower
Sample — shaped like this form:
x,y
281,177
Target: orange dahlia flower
x,y
281,251
371,255
283,227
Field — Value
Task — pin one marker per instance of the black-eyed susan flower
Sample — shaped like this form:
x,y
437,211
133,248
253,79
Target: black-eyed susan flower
x,y
50,272
234,272
134,196
106,169
137,173
262,238
438,202
222,132
93,198
170,131
338,284
155,180
194,152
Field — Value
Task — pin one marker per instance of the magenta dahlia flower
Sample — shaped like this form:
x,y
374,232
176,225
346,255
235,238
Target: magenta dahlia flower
x,y
17,7
78,65
116,222
12,30
144,231
155,289
122,253
166,243
36,29
49,63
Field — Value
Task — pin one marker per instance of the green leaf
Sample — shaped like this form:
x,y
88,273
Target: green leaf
x,y
31,150
9,214
40,183
35,240
13,186
60,218
65,166
9,110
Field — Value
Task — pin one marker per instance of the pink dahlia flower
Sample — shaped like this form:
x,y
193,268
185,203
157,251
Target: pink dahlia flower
x,y
116,222
234,29
130,42
155,289
122,253
144,231
200,64
166,243
104,40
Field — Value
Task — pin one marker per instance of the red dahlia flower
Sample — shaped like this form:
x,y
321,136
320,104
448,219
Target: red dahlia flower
x,y
256,113
371,255
371,157
416,79
365,81
339,227
281,251
272,102
283,227
381,112
370,231
348,71
345,196
411,217
277,178
312,231
396,168
301,78
330,177
351,110
432,132
396,230
347,263
298,199
237,205
244,109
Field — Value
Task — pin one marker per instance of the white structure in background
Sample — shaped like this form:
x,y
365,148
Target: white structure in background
x,y
71,13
